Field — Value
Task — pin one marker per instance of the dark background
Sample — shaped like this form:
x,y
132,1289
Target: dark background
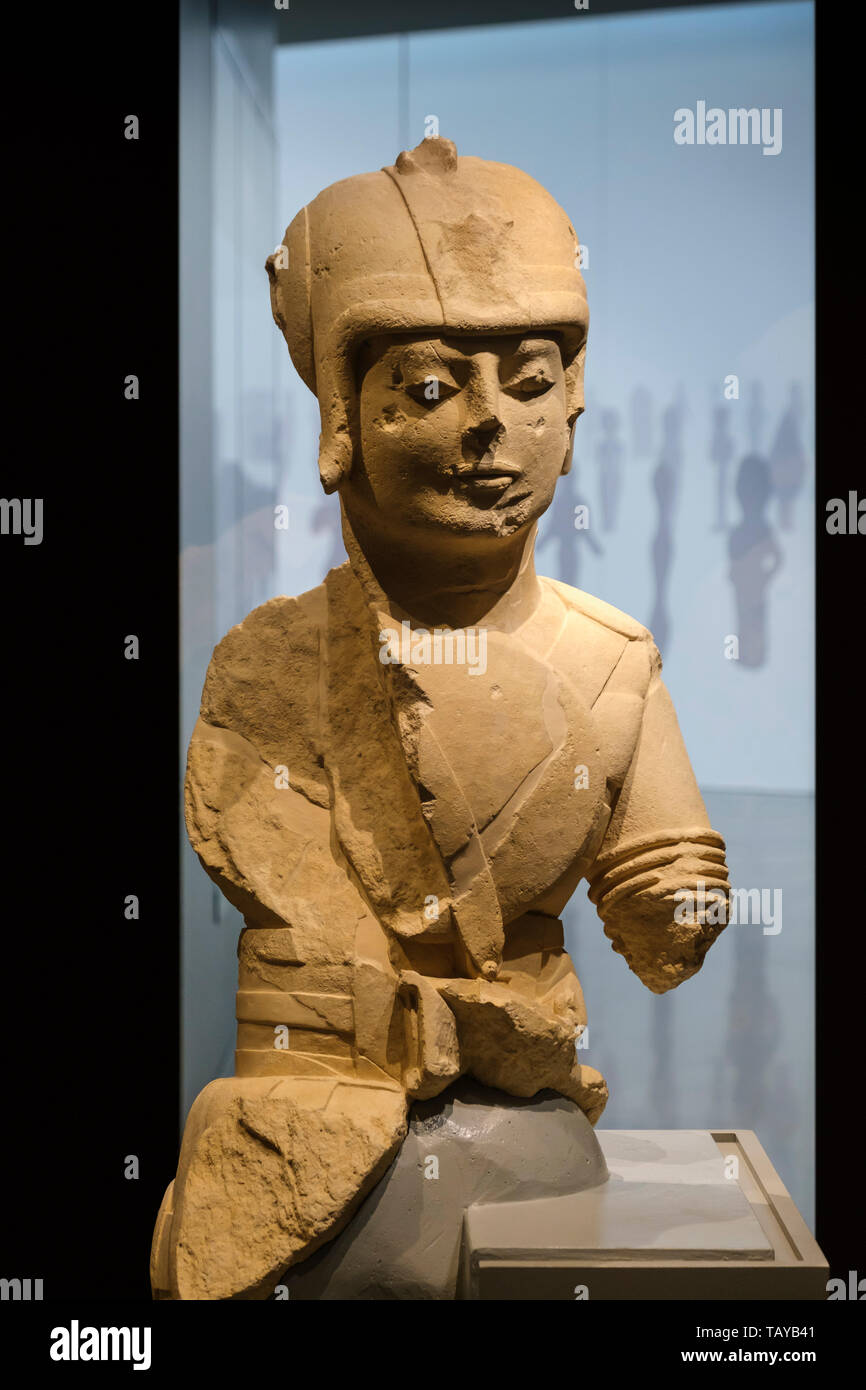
x,y
89,752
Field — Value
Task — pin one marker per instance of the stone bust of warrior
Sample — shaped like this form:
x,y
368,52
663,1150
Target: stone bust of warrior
x,y
400,826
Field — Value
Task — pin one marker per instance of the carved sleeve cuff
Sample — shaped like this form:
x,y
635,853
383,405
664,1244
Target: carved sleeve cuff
x,y
663,900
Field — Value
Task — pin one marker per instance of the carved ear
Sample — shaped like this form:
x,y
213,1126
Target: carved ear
x,y
277,261
331,473
574,402
338,409
569,453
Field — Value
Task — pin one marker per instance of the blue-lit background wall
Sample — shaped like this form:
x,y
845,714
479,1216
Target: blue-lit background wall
x,y
700,268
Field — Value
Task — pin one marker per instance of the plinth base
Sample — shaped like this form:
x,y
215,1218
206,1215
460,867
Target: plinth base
x,y
685,1214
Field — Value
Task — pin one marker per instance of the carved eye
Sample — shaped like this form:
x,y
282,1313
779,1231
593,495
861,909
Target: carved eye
x,y
534,384
431,390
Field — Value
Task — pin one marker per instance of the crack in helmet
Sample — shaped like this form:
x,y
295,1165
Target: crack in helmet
x,y
452,244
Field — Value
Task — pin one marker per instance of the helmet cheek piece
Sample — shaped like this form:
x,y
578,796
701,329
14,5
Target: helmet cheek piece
x,y
574,399
291,310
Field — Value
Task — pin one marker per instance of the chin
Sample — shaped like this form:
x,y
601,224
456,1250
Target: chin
x,y
482,524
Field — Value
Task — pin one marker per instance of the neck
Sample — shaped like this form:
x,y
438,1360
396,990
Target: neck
x,y
446,584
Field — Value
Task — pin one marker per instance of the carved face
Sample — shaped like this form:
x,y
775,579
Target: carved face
x,y
464,434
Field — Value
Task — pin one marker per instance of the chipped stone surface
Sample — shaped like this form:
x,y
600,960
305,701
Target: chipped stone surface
x,y
271,1169
400,777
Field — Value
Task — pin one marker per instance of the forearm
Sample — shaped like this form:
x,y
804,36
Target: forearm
x,y
659,880
663,901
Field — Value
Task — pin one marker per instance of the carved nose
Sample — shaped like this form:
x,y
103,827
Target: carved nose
x,y
478,438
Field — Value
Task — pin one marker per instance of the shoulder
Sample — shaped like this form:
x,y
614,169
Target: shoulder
x,y
615,652
601,613
262,682
269,633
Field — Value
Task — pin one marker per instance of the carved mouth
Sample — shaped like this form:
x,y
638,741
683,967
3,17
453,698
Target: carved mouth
x,y
488,479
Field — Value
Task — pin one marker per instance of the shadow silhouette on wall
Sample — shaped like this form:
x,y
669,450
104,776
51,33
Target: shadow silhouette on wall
x,y
666,488
788,457
756,417
641,422
722,449
755,557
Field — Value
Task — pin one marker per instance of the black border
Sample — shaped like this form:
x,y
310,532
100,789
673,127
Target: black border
x,y
90,753
840,979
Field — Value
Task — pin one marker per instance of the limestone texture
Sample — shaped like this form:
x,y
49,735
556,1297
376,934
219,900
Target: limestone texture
x,y
400,777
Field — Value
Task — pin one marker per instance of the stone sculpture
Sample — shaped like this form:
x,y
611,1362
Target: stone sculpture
x,y
400,777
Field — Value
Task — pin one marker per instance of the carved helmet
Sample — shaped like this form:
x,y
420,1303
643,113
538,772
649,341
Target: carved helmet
x,y
432,242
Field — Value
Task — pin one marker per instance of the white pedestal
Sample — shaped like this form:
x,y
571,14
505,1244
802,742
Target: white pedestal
x,y
686,1214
